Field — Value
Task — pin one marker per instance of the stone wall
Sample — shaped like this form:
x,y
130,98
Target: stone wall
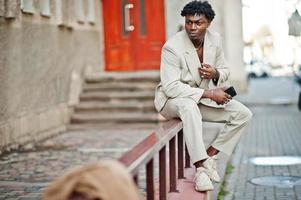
x,y
42,62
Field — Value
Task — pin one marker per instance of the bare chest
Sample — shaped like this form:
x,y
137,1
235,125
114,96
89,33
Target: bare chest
x,y
200,53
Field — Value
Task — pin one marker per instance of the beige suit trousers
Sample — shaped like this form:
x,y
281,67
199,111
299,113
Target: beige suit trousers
x,y
235,116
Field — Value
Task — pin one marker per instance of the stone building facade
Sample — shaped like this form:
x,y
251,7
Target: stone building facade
x,y
45,48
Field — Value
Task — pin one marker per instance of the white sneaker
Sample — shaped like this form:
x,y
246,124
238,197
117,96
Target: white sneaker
x,y
202,180
210,166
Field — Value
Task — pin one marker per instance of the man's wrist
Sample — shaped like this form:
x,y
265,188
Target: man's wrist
x,y
208,94
212,94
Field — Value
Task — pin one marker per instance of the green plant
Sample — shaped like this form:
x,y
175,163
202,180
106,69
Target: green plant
x,y
223,192
229,169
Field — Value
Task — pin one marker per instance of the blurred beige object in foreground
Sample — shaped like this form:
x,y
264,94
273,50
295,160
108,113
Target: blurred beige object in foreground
x,y
106,180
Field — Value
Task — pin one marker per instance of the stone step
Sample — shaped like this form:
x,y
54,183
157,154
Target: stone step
x,y
120,86
111,96
106,117
139,76
129,106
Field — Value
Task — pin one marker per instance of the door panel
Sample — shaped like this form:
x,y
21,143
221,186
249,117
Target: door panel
x,y
149,44
140,48
118,54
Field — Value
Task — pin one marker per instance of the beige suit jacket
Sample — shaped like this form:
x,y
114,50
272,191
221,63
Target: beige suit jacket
x,y
179,69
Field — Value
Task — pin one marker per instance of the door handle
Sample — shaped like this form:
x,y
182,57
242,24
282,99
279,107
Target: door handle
x,y
127,24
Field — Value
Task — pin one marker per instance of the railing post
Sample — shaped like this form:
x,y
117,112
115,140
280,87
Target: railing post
x,y
187,158
162,173
150,180
172,165
180,155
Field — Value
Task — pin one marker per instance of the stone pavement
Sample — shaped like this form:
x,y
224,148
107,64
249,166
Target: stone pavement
x,y
265,91
24,175
274,131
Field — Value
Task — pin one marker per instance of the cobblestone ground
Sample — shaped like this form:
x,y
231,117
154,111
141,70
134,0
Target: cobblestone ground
x,y
275,131
24,175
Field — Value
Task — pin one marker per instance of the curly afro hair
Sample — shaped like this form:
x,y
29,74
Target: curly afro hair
x,y
199,8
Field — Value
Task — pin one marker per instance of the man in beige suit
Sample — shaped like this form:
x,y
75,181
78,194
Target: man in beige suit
x,y
193,71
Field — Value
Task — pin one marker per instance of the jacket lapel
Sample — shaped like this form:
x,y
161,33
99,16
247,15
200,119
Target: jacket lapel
x,y
208,50
209,57
192,59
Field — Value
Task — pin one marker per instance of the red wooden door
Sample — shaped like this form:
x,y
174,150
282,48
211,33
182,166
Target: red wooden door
x,y
134,34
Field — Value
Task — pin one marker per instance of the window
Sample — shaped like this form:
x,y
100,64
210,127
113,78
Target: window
x,y
64,13
45,8
79,11
27,6
142,17
91,11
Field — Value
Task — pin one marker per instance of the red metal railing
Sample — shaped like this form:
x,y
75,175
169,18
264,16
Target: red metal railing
x,y
143,155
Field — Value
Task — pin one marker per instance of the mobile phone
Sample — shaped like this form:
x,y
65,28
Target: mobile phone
x,y
231,91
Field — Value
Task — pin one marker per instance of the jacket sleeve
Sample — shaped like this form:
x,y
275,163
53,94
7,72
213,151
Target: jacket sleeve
x,y
222,66
170,72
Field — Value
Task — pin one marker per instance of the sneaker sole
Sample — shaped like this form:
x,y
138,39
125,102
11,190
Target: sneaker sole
x,y
204,190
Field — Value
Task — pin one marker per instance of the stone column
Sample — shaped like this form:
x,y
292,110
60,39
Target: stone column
x,y
173,18
234,44
228,23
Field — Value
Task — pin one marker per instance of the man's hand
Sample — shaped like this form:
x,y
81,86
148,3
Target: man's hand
x,y
207,71
218,95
